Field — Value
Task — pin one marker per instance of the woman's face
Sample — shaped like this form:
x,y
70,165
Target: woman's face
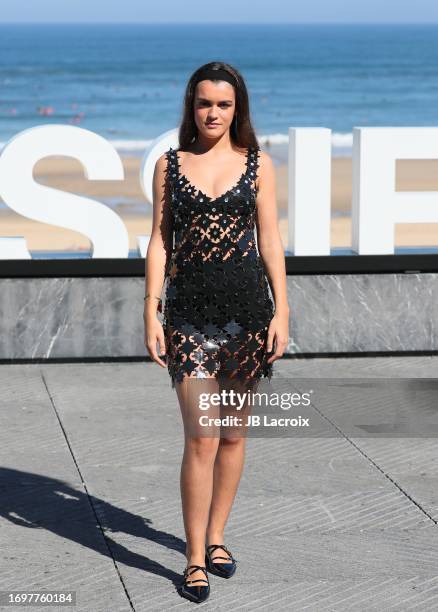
x,y
214,107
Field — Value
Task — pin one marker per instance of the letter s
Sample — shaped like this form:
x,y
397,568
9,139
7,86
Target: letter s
x,y
19,190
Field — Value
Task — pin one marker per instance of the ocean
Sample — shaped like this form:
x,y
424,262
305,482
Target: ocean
x,y
126,82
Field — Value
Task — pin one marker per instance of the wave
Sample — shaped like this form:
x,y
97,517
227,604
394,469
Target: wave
x,y
340,140
131,145
343,140
342,144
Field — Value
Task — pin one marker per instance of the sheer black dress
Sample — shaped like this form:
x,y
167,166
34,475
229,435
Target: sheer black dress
x,y
217,301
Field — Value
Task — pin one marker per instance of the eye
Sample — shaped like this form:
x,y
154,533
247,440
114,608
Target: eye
x,y
222,104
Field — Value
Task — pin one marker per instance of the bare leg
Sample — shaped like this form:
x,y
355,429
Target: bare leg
x,y
228,469
196,479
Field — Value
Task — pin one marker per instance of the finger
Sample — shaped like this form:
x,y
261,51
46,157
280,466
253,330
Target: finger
x,y
162,344
273,346
152,348
281,346
276,355
273,357
270,340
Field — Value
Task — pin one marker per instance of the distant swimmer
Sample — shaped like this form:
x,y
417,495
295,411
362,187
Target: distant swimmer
x,y
77,118
45,110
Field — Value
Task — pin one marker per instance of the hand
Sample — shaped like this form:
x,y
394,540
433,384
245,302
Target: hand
x,y
153,335
278,333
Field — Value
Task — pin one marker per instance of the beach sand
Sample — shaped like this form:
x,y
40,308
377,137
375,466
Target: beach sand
x,y
67,175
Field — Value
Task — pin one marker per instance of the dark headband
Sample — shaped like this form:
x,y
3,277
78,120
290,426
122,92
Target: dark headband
x,y
211,74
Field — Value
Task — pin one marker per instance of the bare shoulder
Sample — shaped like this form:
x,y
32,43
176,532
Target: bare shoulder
x,y
266,171
161,163
265,161
160,179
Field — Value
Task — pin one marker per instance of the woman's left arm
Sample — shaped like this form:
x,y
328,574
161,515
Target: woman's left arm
x,y
272,252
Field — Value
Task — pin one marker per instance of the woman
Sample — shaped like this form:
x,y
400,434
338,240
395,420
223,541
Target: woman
x,y
219,325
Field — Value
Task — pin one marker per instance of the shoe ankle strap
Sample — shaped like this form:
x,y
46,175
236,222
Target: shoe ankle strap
x,y
212,547
195,568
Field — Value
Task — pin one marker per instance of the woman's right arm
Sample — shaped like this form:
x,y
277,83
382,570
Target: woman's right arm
x,y
157,256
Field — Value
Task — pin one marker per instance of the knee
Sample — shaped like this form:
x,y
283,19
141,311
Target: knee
x,y
202,448
234,442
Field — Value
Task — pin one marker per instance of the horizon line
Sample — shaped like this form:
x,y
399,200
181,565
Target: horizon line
x,y
208,23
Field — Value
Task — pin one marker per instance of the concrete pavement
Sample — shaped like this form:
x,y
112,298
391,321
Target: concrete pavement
x,y
89,482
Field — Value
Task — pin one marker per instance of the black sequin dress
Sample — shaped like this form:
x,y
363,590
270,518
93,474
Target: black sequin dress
x,y
217,303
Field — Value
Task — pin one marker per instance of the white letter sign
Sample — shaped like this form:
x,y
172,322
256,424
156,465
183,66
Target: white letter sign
x,y
377,206
19,190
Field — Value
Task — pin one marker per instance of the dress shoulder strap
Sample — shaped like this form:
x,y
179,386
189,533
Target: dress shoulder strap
x,y
252,162
172,165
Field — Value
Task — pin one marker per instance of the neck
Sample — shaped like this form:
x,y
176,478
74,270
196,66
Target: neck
x,y
203,144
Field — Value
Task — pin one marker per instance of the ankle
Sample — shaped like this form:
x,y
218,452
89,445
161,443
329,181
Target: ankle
x,y
196,557
216,537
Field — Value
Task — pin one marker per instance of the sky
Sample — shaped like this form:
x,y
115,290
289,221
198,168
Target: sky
x,y
225,11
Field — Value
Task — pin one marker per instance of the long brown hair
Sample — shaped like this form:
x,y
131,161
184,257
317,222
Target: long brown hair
x,y
242,133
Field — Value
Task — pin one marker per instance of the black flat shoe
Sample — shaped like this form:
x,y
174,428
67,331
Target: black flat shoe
x,y
227,569
197,593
